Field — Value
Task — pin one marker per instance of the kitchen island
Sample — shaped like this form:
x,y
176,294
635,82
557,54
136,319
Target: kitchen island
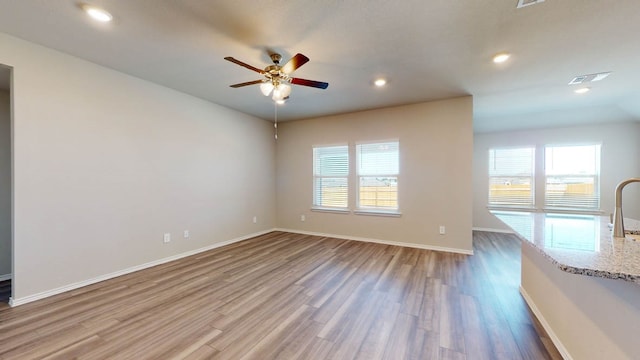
x,y
582,284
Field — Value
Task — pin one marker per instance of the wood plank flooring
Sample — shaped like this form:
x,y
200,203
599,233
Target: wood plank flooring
x,y
289,296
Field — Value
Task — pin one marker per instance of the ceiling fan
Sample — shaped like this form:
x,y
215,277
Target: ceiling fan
x,y
277,78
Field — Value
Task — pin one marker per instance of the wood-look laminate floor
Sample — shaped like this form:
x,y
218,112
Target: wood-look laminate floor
x,y
288,296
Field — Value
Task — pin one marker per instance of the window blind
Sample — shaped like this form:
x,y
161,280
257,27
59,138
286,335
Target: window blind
x,y
378,170
331,176
572,177
511,177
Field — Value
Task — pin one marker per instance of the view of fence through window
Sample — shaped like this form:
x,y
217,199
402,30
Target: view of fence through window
x,y
572,177
377,176
378,168
511,177
331,176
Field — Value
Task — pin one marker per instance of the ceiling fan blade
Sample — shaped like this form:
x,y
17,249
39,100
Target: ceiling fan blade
x,y
254,82
312,83
295,62
236,61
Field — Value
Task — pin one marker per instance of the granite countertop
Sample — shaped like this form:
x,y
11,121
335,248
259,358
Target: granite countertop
x,y
579,244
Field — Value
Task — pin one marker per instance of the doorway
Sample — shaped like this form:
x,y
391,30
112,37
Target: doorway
x,y
6,233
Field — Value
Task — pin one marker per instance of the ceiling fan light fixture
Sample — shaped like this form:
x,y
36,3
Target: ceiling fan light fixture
x,y
285,90
280,102
281,92
583,90
266,88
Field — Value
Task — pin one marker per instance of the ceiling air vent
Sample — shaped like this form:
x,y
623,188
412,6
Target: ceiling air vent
x,y
589,78
523,3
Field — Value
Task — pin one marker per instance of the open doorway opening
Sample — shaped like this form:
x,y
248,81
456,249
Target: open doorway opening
x,y
5,185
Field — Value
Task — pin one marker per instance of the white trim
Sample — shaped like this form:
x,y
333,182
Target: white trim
x,y
572,211
512,208
502,231
377,213
380,241
331,210
552,335
5,277
79,284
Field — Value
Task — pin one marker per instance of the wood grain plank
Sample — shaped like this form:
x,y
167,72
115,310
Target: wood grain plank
x,y
291,296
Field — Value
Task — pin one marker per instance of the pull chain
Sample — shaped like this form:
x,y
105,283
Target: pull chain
x,y
275,123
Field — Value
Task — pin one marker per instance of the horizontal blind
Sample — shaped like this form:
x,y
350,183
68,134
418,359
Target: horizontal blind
x,y
331,176
378,169
511,177
572,177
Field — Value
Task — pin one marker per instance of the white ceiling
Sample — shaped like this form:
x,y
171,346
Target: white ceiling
x,y
427,49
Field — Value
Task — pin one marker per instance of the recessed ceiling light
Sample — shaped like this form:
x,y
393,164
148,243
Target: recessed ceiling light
x,y
380,82
582,90
500,58
97,13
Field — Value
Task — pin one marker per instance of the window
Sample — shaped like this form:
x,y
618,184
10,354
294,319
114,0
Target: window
x,y
572,177
378,168
511,181
331,177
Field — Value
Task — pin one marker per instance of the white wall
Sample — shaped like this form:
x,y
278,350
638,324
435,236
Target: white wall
x,y
435,173
5,184
591,317
106,163
619,161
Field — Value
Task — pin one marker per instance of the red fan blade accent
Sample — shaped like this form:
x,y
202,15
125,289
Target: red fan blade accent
x,y
295,62
247,83
312,83
235,61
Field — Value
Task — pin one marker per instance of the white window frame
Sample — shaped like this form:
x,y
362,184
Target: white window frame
x,y
595,176
532,177
365,210
314,201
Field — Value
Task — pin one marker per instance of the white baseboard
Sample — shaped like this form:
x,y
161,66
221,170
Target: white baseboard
x,y
59,290
5,277
552,335
379,241
502,231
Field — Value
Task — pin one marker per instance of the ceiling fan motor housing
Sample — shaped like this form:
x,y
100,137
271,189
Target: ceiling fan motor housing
x,y
276,58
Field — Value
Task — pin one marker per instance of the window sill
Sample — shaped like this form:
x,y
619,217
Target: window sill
x,y
512,208
573,211
546,210
377,213
331,210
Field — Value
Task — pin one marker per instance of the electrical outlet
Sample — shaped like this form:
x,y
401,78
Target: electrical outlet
x,y
167,238
255,219
186,234
442,230
303,218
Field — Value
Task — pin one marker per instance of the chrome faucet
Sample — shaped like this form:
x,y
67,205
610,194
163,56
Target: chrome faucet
x,y
618,222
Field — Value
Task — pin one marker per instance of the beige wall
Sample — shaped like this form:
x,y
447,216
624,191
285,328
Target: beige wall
x,y
593,318
5,184
435,173
106,163
619,160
